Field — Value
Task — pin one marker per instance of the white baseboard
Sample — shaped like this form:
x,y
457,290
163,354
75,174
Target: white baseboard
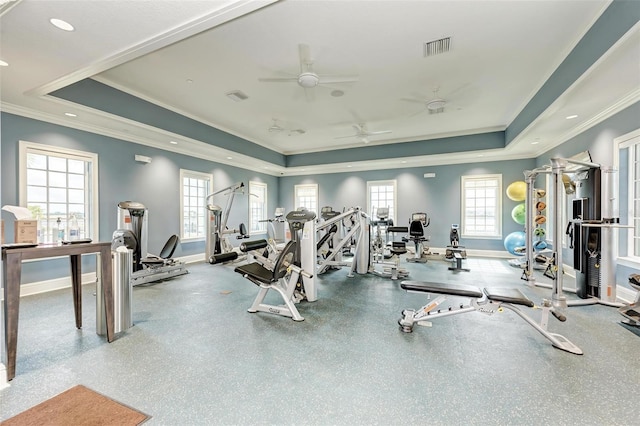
x,y
3,376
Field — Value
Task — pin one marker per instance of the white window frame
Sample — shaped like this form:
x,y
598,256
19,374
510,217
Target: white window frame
x,y
630,141
393,206
297,202
498,213
205,177
258,197
92,227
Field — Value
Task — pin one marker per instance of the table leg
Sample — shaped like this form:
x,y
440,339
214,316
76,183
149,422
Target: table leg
x,y
12,273
76,285
107,289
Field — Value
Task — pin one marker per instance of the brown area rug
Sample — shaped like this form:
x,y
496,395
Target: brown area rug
x,y
78,406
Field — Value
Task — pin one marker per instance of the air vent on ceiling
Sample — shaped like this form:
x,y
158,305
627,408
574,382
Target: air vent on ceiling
x,y
437,47
5,5
237,95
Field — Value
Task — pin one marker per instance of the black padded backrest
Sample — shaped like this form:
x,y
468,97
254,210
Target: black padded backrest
x,y
416,229
169,247
285,258
242,229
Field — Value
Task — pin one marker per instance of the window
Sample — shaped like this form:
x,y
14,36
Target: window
x,y
60,187
381,193
481,206
306,196
257,207
193,193
628,163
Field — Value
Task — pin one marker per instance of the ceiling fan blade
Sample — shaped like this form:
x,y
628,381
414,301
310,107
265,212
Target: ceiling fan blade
x,y
331,79
279,79
304,52
380,132
309,94
417,101
346,137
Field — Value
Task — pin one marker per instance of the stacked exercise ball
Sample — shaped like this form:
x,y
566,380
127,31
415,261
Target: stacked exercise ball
x,y
517,191
514,243
518,214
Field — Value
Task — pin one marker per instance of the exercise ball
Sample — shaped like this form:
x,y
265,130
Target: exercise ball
x,y
518,214
514,242
539,245
539,232
517,191
541,205
540,219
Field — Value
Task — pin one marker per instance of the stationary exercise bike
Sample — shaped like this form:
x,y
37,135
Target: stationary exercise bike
x,y
419,221
454,250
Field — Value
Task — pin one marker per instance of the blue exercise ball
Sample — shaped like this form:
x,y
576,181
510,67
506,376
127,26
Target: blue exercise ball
x,y
514,243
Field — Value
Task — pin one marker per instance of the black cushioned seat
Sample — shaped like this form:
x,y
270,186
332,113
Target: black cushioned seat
x,y
440,288
256,272
165,254
508,295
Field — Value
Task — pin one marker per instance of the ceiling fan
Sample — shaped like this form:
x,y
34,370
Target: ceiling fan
x,y
435,105
308,78
363,134
276,128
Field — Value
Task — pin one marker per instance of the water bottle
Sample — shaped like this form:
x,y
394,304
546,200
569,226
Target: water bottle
x,y
60,230
74,230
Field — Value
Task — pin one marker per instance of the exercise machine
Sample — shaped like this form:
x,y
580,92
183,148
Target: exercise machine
x,y
454,250
593,237
631,313
487,301
281,276
132,234
218,248
357,223
381,254
285,274
417,224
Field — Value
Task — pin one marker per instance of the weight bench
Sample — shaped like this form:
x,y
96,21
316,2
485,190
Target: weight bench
x,y
487,301
273,277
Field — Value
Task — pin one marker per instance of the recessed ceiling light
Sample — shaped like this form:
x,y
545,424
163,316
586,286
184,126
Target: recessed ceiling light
x,y
173,142
70,114
229,158
571,117
3,63
349,166
404,161
480,155
189,81
63,25
535,143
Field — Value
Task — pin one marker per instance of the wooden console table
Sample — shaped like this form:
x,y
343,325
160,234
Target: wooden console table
x,y
12,267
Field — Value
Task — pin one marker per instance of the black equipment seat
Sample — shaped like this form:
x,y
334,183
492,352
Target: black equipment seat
x,y
453,289
258,274
508,295
165,254
398,247
416,229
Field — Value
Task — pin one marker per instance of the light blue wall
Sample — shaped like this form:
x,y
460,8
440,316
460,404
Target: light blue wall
x,y
156,185
439,197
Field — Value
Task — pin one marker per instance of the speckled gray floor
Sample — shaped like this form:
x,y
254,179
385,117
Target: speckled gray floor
x,y
196,357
